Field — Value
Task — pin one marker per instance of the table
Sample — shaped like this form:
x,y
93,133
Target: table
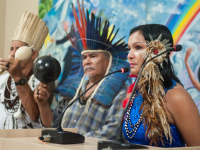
x,y
27,139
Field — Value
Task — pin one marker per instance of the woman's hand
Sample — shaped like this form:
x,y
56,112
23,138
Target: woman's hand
x,y
42,94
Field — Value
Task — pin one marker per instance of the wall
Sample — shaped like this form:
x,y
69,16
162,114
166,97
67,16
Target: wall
x,y
13,10
2,26
181,17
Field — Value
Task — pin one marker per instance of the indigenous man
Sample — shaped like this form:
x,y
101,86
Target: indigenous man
x,y
97,113
18,110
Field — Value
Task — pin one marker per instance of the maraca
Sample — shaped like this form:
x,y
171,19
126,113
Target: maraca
x,y
46,69
22,54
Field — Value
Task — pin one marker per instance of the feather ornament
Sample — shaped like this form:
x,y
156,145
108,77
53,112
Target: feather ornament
x,y
88,33
151,85
80,25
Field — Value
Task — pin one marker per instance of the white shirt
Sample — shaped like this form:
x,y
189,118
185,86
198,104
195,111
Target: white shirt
x,y
7,119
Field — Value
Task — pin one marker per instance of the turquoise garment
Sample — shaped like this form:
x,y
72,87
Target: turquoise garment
x,y
139,137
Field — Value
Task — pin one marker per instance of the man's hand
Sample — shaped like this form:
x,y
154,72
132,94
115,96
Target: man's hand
x,y
13,67
3,63
42,94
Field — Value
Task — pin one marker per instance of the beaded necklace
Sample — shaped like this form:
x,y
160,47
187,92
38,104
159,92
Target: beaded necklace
x,y
11,104
128,120
84,99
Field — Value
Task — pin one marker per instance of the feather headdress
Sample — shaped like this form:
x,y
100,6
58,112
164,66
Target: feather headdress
x,y
31,30
89,35
152,90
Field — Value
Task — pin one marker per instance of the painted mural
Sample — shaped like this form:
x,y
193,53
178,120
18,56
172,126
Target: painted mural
x,y
182,17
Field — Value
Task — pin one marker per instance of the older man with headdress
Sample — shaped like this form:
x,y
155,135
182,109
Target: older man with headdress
x,y
17,106
97,113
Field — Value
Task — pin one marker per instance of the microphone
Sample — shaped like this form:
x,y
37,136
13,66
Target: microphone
x,y
64,137
124,70
175,48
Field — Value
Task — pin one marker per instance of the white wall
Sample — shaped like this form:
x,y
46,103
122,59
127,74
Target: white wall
x,y
2,26
13,10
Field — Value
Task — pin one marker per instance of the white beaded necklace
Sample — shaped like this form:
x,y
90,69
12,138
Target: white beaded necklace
x,y
128,120
12,93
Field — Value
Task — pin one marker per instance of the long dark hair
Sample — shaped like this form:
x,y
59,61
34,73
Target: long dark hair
x,y
155,30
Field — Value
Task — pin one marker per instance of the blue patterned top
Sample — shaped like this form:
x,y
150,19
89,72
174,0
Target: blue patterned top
x,y
139,137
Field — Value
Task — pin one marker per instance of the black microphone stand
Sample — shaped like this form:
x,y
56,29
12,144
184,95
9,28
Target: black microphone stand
x,y
64,137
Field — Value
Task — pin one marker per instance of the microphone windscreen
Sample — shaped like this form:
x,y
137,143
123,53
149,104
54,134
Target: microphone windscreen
x,y
125,69
177,47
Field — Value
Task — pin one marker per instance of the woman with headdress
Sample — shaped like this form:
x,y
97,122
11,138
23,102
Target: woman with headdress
x,y
161,112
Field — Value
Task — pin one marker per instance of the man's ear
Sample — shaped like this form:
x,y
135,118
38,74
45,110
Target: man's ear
x,y
34,54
